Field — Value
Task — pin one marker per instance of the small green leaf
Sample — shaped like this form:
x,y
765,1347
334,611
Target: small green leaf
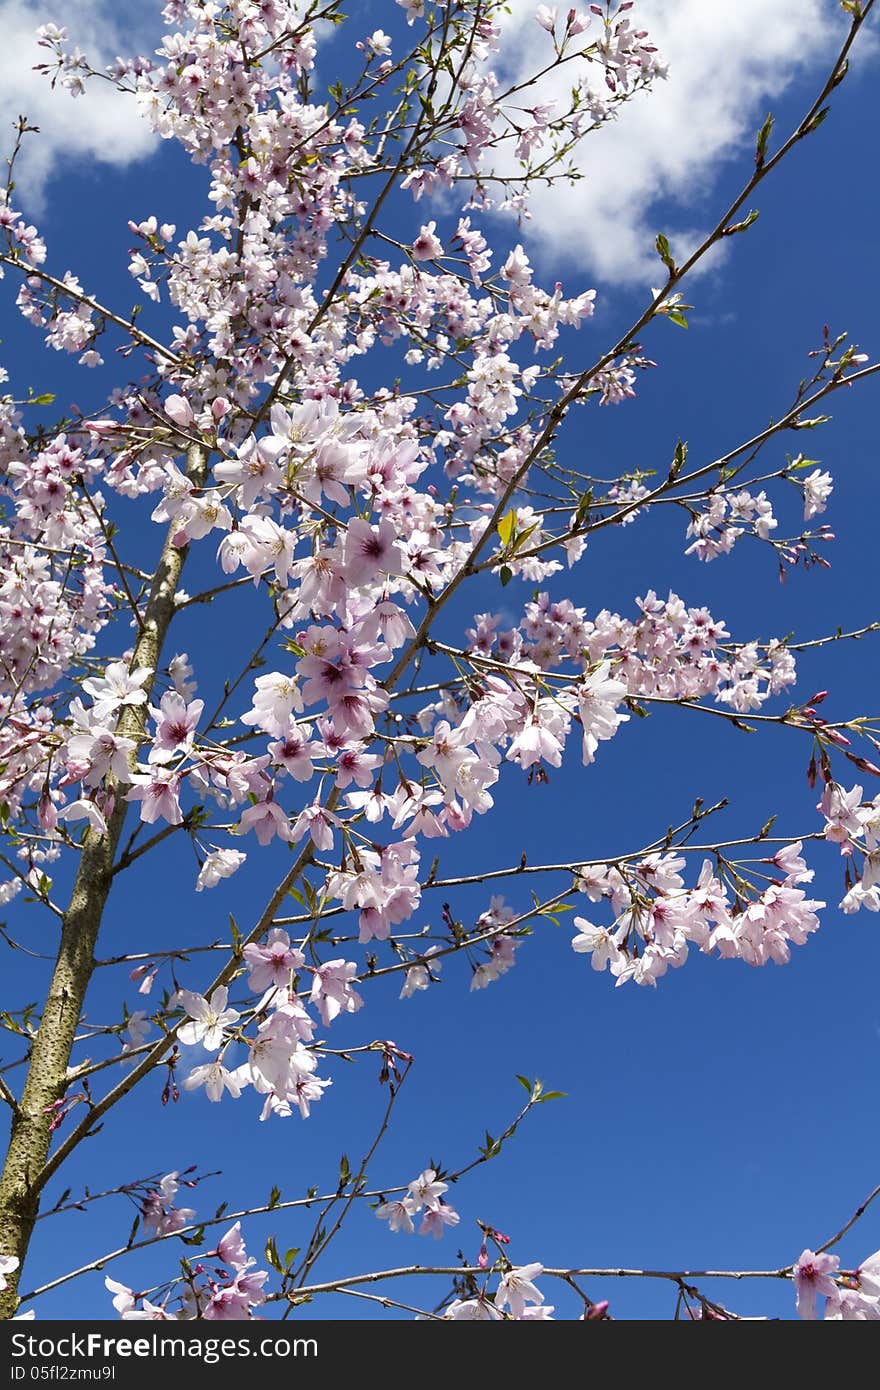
x,y
810,424
817,120
763,137
744,225
679,458
271,1251
663,251
675,316
506,574
583,508
237,937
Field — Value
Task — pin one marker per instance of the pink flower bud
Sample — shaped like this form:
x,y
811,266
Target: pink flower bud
x,y
837,737
863,764
178,409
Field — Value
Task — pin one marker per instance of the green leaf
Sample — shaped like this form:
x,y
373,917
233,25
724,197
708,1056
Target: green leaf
x,y
663,251
290,1255
679,458
506,574
237,937
583,507
506,527
310,896
525,1083
809,424
744,225
271,1251
817,120
763,137
800,463
551,1095
523,536
676,316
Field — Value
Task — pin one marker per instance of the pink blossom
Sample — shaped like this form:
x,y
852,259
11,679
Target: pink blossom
x,y
399,1215
159,795
272,961
318,823
812,1278
332,990
436,1219
176,723
216,1079
427,246
369,552
516,1289
220,864
267,820
210,1018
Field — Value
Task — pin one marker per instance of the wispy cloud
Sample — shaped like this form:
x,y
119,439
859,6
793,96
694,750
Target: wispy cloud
x,y
729,62
101,125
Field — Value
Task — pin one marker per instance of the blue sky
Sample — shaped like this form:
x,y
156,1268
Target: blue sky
x,y
728,1118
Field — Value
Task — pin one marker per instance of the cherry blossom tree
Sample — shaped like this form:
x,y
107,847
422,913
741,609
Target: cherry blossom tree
x,y
340,407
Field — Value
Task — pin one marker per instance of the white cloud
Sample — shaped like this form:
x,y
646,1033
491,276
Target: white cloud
x,y
729,61
103,124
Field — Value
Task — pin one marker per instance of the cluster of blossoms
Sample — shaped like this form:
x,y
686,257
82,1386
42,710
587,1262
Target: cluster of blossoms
x,y
227,1291
280,1064
276,504
657,918
730,515
159,1215
854,824
670,652
56,595
852,1297
423,1194
517,1297
352,512
324,497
